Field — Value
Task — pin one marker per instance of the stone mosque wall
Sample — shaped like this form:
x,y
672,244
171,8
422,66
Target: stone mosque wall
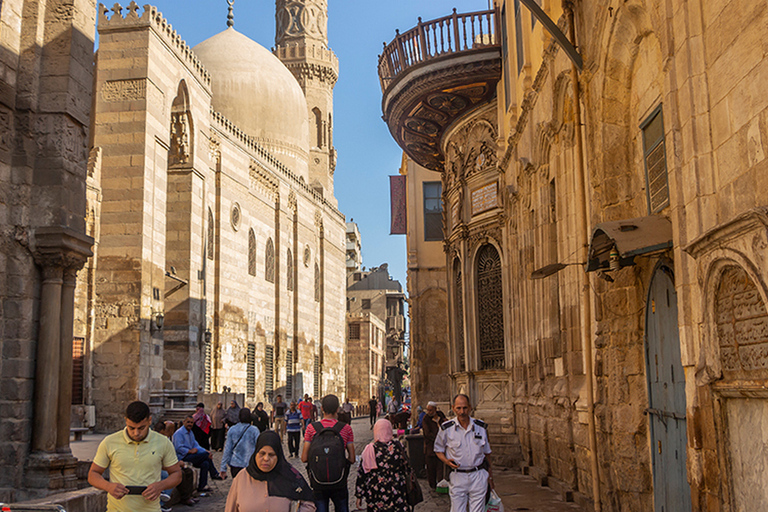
x,y
217,264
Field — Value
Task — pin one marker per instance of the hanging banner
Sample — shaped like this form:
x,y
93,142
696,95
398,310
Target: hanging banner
x,y
399,222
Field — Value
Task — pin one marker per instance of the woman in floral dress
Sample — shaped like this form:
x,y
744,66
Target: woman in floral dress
x,y
383,472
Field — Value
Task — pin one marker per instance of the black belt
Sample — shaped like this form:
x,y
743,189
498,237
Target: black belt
x,y
470,470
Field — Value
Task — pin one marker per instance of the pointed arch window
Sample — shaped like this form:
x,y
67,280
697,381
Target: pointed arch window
x,y
251,253
490,309
269,262
289,271
318,120
317,283
211,234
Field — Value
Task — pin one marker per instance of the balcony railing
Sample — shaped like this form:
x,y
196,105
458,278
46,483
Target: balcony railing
x,y
447,35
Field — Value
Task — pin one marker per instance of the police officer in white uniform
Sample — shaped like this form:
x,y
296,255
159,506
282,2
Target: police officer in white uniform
x,y
462,444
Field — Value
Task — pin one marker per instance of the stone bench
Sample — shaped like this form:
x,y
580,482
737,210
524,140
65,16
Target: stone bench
x,y
78,432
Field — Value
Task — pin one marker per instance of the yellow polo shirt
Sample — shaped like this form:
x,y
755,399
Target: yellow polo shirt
x,y
132,463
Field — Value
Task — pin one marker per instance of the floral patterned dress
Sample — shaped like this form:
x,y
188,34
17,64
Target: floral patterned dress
x,y
384,488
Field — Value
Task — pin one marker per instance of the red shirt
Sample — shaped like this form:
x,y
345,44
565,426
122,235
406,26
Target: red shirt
x,y
306,409
346,433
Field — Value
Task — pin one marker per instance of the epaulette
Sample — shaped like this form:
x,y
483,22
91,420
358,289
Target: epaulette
x,y
481,423
447,424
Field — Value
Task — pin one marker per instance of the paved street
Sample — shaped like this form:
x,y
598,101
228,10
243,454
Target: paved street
x,y
518,492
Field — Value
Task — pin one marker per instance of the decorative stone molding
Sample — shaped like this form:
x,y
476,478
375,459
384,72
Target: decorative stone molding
x,y
262,178
301,18
124,90
61,247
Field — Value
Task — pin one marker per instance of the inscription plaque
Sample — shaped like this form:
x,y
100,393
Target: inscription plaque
x,y
485,198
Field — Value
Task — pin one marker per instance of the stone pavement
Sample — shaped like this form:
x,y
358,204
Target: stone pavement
x,y
518,492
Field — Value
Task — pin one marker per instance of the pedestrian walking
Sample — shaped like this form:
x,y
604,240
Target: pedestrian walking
x,y
201,427
260,418
241,442
462,444
306,412
218,430
135,457
430,426
383,473
189,450
233,414
293,428
278,416
269,482
373,410
326,443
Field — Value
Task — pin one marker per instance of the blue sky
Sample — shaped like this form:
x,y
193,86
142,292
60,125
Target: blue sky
x,y
367,153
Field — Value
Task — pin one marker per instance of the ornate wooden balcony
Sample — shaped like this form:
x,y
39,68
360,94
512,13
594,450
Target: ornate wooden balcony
x,y
435,73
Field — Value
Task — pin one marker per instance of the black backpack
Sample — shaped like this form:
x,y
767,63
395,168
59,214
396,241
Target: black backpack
x,y
327,464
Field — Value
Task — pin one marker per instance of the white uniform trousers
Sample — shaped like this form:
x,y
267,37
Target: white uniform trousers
x,y
468,489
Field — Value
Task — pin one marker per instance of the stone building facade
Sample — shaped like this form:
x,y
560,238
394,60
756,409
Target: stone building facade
x,y
605,228
46,55
220,253
375,333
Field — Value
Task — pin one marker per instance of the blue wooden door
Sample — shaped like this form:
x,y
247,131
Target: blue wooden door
x,y
666,397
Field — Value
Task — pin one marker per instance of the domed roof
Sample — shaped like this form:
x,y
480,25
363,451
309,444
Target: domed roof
x,y
254,90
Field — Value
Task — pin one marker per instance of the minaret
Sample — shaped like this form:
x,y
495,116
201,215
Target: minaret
x,y
301,42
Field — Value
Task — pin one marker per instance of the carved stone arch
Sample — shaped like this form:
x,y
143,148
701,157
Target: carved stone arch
x,y
721,356
251,252
269,261
318,135
543,144
181,152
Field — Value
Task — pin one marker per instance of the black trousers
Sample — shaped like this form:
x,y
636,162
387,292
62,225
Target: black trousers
x,y
434,470
217,438
294,439
201,437
373,417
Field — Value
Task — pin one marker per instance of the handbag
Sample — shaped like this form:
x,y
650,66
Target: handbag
x,y
414,495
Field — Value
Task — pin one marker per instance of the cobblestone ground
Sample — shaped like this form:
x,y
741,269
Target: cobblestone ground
x,y
518,492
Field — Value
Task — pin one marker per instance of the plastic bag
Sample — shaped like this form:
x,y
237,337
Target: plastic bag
x,y
442,486
494,503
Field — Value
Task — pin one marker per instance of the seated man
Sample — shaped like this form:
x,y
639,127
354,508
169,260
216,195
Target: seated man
x,y
182,493
188,450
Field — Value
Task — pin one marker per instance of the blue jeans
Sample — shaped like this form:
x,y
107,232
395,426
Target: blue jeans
x,y
339,497
201,460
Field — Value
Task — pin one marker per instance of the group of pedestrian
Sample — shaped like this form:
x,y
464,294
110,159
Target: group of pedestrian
x,y
144,463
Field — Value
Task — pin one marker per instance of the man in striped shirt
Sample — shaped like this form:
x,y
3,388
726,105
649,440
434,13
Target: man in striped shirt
x,y
293,427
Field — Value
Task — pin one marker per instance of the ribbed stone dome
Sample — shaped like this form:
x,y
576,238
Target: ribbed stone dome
x,y
254,90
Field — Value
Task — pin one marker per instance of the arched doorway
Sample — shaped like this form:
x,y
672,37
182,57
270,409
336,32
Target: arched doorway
x,y
666,396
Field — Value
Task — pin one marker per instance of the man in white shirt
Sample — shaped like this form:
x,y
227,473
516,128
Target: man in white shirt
x,y
462,444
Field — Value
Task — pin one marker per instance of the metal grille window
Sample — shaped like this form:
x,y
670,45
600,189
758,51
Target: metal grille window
x,y
269,371
354,331
655,159
288,374
433,211
211,234
251,253
269,262
289,271
366,303
250,372
490,309
316,375
207,367
78,366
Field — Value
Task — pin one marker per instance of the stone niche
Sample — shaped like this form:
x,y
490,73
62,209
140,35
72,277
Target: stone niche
x,y
733,361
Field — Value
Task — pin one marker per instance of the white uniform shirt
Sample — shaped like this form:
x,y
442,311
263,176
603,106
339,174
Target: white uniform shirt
x,y
467,448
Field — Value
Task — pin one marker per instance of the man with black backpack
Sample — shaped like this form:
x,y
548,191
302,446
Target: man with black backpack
x,y
329,451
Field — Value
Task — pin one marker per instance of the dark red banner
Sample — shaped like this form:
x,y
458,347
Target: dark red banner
x,y
397,201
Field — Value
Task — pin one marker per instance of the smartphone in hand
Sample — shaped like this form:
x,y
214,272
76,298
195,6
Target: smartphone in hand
x,y
136,489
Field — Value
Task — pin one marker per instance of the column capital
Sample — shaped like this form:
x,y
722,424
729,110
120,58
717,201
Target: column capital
x,y
61,247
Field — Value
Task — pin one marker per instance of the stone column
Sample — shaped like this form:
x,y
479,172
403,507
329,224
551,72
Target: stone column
x,y
48,359
65,368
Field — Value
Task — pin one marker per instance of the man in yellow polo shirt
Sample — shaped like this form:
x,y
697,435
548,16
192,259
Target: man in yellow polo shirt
x,y
135,457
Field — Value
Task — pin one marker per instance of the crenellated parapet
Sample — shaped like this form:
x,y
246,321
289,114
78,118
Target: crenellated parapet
x,y
150,18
